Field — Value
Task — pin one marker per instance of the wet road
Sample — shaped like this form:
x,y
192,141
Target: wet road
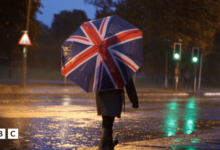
x,y
67,122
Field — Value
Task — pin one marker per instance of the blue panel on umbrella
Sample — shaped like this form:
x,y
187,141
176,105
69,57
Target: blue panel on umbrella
x,y
106,82
79,32
67,50
127,71
132,49
82,75
97,23
116,25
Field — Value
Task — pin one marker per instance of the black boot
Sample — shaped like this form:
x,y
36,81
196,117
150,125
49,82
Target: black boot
x,y
110,142
116,140
104,140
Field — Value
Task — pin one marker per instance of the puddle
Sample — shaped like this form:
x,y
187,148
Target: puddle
x,y
66,122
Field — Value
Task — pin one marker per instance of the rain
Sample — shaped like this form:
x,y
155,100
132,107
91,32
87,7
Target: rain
x,y
58,57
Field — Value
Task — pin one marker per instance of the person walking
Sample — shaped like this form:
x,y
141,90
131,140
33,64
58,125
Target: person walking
x,y
109,105
89,60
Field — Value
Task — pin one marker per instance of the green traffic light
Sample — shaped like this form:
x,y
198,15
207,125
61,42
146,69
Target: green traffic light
x,y
195,59
177,56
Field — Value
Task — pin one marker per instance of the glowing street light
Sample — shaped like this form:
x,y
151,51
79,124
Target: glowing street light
x,y
177,56
177,51
195,59
195,54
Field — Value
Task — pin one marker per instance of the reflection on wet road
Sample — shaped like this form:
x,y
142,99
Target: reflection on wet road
x,y
180,120
66,122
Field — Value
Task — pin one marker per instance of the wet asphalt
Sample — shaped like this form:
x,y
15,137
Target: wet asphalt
x,y
50,121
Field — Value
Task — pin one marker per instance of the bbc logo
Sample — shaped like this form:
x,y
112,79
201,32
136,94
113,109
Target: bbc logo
x,y
12,133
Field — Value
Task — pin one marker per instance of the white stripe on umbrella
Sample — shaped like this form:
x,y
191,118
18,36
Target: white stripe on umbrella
x,y
87,36
97,69
126,60
103,27
79,39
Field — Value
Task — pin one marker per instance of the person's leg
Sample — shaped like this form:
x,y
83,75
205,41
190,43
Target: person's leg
x,y
106,140
107,122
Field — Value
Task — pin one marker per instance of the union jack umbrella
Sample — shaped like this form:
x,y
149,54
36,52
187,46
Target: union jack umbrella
x,y
102,54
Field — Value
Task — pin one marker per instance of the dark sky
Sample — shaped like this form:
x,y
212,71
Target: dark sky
x,y
52,7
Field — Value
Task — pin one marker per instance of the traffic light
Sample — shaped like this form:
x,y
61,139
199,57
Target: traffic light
x,y
195,54
177,51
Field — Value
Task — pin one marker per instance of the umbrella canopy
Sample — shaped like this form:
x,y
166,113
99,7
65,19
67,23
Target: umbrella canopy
x,y
102,54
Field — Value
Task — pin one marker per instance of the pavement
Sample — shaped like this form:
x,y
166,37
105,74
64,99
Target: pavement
x,y
206,140
174,143
57,88
165,120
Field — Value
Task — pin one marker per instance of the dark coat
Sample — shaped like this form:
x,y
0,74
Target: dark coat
x,y
109,103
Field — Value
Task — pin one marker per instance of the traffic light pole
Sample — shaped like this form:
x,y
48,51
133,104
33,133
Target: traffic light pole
x,y
195,71
64,80
200,72
195,57
177,76
166,68
24,61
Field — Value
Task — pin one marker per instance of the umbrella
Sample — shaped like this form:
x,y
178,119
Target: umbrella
x,y
102,54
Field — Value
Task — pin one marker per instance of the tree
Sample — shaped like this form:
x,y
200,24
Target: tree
x,y
13,21
36,59
64,24
165,22
104,7
195,21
